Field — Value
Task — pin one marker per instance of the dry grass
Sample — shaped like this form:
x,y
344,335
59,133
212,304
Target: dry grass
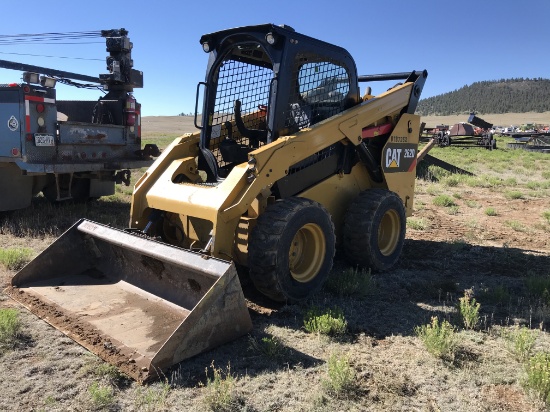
x,y
378,363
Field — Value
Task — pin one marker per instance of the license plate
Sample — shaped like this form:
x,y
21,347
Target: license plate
x,y
44,140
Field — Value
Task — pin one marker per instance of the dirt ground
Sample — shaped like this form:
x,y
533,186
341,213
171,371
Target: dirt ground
x,y
449,253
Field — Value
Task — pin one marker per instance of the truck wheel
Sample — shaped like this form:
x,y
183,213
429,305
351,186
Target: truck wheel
x,y
291,249
374,230
80,190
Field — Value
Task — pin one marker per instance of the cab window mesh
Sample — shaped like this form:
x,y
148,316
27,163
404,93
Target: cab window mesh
x,y
242,81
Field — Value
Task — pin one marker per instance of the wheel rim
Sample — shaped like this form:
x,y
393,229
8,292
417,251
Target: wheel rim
x,y
307,253
388,232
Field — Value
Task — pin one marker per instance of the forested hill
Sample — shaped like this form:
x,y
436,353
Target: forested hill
x,y
498,96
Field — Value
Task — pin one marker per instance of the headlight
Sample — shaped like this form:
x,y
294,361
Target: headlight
x,y
270,38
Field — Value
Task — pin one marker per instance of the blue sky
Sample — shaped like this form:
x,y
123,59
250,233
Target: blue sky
x,y
458,42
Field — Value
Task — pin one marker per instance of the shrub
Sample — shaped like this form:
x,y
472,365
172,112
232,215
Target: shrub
x,y
417,224
538,376
491,181
521,341
468,310
539,287
534,185
220,389
418,205
330,323
453,210
437,172
50,401
15,258
152,398
490,211
10,326
104,369
340,380
451,181
515,225
546,215
511,181
513,194
440,339
433,190
270,346
351,282
444,200
101,395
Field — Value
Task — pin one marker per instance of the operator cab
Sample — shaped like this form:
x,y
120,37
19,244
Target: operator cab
x,y
263,82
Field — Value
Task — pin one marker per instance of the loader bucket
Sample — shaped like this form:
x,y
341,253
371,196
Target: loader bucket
x,y
137,303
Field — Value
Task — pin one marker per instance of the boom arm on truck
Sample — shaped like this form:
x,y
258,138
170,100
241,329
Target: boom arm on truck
x,y
70,149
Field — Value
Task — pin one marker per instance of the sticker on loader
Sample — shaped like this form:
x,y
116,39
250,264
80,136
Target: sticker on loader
x,y
399,157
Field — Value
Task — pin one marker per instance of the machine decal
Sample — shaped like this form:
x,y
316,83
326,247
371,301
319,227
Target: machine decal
x,y
374,131
216,131
398,139
13,124
399,157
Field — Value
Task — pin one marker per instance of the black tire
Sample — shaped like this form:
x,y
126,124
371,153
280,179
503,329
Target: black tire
x,y
170,232
80,190
374,230
291,249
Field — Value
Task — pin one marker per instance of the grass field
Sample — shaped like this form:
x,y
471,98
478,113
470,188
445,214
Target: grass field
x,y
504,119
460,325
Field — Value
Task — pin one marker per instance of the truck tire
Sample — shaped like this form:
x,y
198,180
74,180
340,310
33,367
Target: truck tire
x,y
291,249
374,230
80,190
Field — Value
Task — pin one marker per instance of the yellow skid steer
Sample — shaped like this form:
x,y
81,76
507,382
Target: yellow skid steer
x,y
289,163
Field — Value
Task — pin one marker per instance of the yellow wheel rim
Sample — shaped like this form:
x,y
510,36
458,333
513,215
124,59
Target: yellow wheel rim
x,y
388,232
307,253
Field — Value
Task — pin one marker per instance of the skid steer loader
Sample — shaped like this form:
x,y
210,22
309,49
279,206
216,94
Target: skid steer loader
x,y
289,162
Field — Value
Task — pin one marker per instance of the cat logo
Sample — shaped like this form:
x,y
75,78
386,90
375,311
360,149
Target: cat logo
x,y
393,157
399,157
